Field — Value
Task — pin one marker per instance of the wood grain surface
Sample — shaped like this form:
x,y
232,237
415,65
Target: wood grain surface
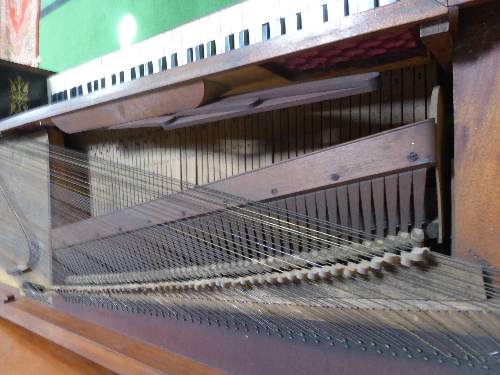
x,y
477,134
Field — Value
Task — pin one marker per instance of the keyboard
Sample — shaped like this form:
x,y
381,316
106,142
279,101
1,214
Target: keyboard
x,y
243,24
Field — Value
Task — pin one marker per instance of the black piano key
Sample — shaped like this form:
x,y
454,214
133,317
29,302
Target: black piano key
x,y
299,21
211,48
266,32
162,64
113,79
141,70
244,37
96,85
122,76
65,95
325,12
229,42
80,90
346,8
173,60
60,96
54,98
133,73
149,68
72,92
281,26
103,83
89,87
199,52
190,55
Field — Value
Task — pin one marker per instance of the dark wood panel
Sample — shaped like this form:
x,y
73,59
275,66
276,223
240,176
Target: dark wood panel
x,y
476,65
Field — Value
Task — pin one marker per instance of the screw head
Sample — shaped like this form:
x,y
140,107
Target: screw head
x,y
274,191
412,157
335,177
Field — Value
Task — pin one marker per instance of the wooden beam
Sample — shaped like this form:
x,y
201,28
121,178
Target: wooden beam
x,y
437,37
111,350
405,13
401,149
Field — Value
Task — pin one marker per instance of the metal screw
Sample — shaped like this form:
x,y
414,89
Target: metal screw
x,y
412,157
274,191
335,177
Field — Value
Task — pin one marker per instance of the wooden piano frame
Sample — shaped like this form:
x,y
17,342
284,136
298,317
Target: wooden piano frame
x,y
464,37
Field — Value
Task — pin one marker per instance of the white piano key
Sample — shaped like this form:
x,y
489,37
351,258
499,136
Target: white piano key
x,y
204,33
177,47
364,5
261,17
336,9
381,3
353,7
214,32
236,23
157,51
149,53
225,24
291,11
168,47
249,22
313,16
273,11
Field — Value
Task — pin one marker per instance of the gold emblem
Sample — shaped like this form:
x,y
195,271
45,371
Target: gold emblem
x,y
18,95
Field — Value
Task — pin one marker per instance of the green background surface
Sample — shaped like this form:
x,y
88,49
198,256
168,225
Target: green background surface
x,y
82,30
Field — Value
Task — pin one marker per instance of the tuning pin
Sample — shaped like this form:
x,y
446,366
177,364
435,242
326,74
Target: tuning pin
x,y
403,239
363,267
405,259
417,237
376,263
418,254
351,269
391,258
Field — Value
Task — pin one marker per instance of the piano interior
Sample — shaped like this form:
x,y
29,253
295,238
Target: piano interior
x,y
256,206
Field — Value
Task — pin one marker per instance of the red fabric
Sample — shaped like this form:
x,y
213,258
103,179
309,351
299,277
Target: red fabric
x,y
19,31
395,44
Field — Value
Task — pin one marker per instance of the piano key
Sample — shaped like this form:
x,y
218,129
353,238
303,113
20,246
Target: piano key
x,y
336,9
122,76
291,11
113,79
236,22
241,23
266,32
174,62
211,49
214,35
229,43
162,64
178,48
244,38
364,5
225,31
190,57
381,3
199,52
149,68
316,13
249,25
273,13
